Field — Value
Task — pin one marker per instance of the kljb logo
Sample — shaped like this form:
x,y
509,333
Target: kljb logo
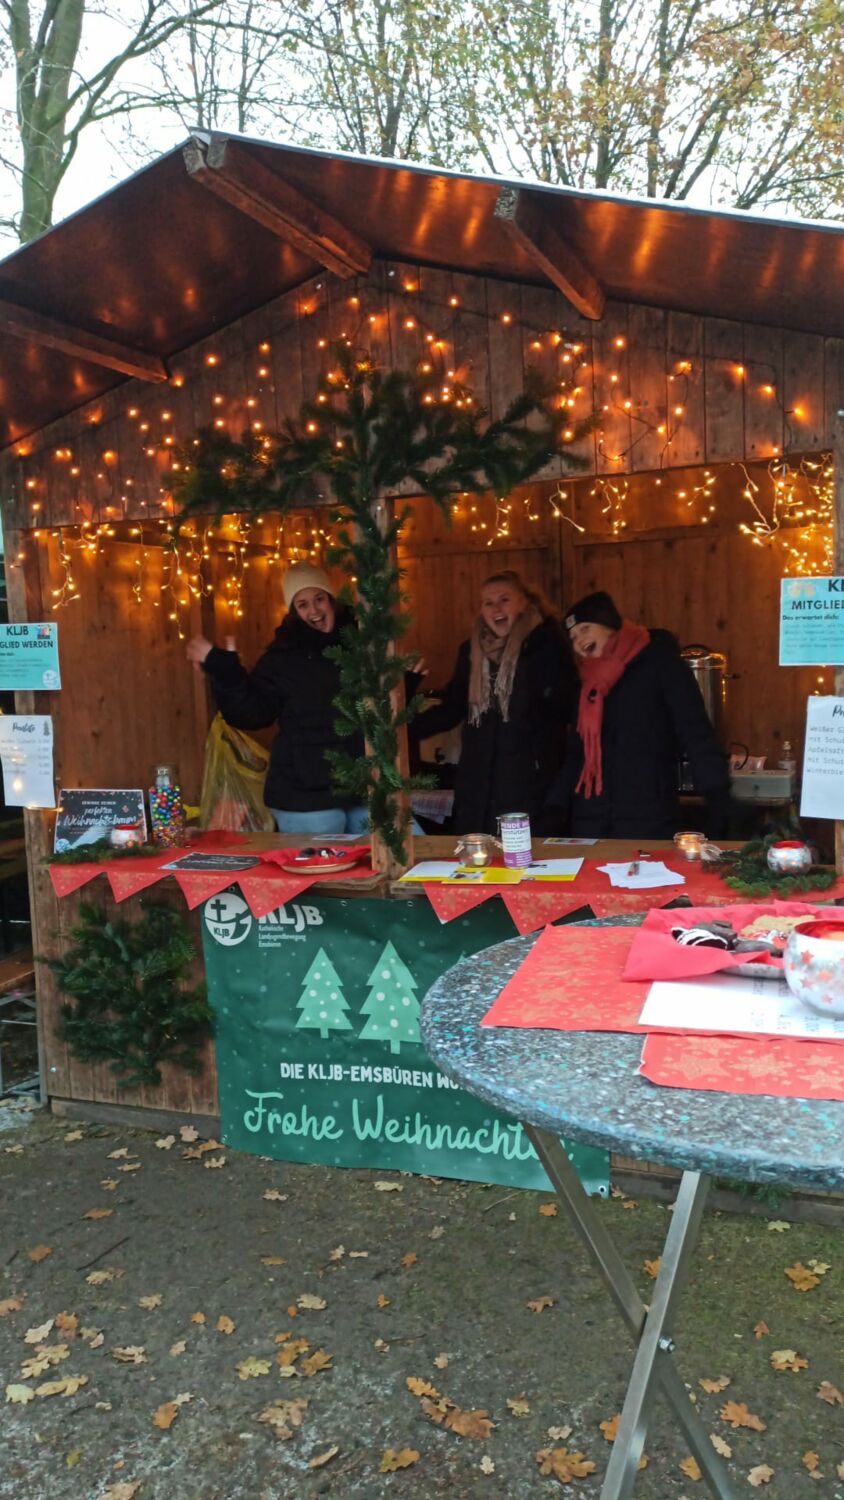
x,y
228,919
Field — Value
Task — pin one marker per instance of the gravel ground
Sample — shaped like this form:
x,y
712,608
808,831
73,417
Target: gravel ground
x,y
428,1281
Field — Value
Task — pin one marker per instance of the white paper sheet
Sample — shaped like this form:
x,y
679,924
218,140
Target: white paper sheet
x,y
553,869
431,869
823,759
26,752
650,874
722,1002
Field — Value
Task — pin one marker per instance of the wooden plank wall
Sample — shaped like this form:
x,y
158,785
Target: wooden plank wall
x,y
667,389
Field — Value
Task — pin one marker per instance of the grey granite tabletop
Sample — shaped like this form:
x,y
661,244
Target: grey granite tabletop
x,y
584,1085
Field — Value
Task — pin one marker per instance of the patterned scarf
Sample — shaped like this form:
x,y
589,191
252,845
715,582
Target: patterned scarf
x,y
493,663
598,674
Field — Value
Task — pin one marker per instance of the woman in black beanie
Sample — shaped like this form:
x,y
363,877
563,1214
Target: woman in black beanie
x,y
640,712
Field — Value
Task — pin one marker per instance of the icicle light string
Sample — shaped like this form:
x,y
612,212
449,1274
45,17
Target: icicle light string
x,y
410,312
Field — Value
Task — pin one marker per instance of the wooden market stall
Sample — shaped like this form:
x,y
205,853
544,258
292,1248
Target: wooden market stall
x,y
706,349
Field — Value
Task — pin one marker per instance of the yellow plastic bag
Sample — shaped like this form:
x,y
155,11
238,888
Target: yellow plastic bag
x,y
233,781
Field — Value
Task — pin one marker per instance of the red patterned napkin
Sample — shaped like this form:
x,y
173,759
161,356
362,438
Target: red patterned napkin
x,y
287,856
779,1067
571,981
654,954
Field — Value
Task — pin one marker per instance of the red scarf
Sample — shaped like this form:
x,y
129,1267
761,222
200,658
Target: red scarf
x,y
598,674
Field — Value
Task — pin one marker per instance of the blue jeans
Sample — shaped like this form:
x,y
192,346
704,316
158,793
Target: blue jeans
x,y
325,820
328,820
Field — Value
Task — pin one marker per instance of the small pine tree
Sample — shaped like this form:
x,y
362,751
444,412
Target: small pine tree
x,y
323,1004
132,1009
391,1005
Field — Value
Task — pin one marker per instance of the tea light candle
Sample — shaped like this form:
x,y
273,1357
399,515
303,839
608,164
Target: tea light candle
x,y
689,844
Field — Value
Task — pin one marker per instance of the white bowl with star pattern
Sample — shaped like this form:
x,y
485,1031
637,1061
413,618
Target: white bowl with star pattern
x,y
813,964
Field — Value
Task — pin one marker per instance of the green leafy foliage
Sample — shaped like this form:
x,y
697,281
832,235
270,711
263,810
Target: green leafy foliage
x,y
131,1007
746,870
367,434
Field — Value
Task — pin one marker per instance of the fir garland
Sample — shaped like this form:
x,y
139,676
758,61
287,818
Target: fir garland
x,y
366,434
100,852
131,1007
747,870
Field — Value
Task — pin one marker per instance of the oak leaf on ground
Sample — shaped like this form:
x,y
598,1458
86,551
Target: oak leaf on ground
x,y
810,1461
154,1300
198,1317
43,1359
273,1195
538,1304
130,1354
67,1323
178,1348
123,1490
389,1187
283,1416
309,1303
164,1142
788,1359
712,1386
518,1405
99,1278
39,1334
188,1133
165,1415
98,1213
801,1277
691,1468
382,1301
410,1259
10,1305
224,1324
737,1414
548,1210
761,1474
319,1360
651,1267
830,1393
122,1151
469,1424
419,1387
609,1427
559,1434
273,1260
760,1329
441,1361
324,1458
19,1394
109,1184
486,1465
66,1385
130,1166
249,1369
398,1458
39,1252
563,1465
720,1446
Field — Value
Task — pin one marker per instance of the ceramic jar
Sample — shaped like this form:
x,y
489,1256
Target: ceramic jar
x,y
813,964
789,857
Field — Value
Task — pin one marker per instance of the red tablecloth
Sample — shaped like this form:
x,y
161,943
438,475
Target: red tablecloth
x,y
534,904
572,980
264,886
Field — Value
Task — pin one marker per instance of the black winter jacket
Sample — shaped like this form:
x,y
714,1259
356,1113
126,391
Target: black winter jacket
x,y
295,684
508,766
652,716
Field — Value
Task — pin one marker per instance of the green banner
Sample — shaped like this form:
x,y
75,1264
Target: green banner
x,y
318,1050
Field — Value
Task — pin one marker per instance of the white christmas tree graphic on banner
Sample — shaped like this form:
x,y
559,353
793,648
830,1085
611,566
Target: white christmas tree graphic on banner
x,y
391,1005
323,1004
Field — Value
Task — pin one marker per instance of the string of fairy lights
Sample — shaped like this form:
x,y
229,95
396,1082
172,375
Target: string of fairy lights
x,y
790,506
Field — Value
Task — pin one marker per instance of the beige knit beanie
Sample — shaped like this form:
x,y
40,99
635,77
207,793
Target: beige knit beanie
x,y
304,576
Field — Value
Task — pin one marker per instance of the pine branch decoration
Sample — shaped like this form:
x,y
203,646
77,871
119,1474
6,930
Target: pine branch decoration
x,y
367,433
131,1007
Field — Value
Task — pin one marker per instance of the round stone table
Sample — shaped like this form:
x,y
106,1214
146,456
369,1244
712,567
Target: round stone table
x,y
584,1085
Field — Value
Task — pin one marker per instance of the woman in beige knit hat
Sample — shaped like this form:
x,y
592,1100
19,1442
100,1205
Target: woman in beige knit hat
x,y
294,684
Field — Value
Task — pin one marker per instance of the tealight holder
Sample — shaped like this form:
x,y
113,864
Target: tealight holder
x,y
476,849
789,857
689,844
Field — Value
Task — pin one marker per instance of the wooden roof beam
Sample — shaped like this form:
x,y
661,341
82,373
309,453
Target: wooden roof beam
x,y
36,327
525,221
230,171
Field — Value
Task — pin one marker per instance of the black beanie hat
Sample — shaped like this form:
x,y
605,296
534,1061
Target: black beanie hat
x,y
594,609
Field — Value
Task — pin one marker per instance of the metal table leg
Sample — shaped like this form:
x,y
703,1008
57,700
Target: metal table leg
x,y
653,1365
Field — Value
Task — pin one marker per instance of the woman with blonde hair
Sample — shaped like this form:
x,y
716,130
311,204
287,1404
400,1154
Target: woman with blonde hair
x,y
513,689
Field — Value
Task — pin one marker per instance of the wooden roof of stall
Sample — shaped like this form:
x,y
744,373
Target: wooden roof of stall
x,y
219,227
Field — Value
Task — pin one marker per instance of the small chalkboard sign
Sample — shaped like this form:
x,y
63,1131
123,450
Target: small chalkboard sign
x,y
88,815
215,863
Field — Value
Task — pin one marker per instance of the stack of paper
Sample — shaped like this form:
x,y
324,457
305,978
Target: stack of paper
x,y
646,875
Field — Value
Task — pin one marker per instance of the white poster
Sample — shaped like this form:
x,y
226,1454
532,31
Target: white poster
x,y
733,1006
26,754
823,759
